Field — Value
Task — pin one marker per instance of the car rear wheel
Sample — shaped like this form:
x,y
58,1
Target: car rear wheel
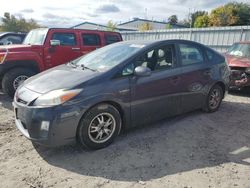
x,y
99,127
214,99
14,78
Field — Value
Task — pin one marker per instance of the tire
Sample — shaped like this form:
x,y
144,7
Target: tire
x,y
214,99
93,124
10,77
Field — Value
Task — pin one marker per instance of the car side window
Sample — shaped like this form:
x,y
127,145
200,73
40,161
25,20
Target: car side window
x,y
109,39
161,58
91,39
66,39
190,54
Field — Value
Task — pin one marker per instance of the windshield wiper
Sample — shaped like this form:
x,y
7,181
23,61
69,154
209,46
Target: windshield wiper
x,y
72,64
84,67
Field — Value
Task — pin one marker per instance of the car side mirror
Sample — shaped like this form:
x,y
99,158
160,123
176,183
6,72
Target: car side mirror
x,y
142,71
55,42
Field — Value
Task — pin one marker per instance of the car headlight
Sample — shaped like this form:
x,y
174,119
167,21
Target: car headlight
x,y
56,97
248,70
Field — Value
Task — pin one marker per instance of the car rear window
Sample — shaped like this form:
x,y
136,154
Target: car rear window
x,y
109,39
91,39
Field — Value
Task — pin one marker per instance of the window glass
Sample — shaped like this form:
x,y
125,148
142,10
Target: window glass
x,y
11,40
128,70
158,59
109,39
66,39
190,54
213,57
91,39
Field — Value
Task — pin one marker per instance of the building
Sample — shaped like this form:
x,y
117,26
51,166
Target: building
x,y
133,25
136,23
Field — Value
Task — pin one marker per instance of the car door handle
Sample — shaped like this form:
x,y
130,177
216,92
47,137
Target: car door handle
x,y
75,48
123,92
207,72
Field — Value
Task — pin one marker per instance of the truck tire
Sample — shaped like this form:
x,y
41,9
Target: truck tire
x,y
14,78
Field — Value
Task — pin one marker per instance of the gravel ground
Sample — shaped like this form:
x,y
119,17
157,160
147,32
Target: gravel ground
x,y
192,150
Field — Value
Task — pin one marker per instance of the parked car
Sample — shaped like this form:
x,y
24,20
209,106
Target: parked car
x,y
7,38
46,48
119,86
238,58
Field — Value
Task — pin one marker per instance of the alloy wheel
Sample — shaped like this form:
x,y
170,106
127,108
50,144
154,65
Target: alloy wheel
x,y
102,127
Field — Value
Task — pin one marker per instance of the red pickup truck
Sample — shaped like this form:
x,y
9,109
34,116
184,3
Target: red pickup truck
x,y
46,48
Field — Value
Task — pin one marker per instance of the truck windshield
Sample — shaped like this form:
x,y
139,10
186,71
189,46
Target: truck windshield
x,y
107,57
36,37
241,50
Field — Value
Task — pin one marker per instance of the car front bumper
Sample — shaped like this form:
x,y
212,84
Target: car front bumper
x,y
49,126
239,79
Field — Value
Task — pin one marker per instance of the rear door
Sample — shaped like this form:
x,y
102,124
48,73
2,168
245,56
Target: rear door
x,y
68,50
156,96
111,38
196,75
90,41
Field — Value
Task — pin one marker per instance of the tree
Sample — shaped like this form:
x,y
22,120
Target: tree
x,y
145,27
242,11
202,21
11,23
173,19
111,26
224,16
169,26
195,15
185,22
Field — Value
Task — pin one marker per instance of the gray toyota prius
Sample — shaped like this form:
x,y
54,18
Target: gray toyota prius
x,y
126,84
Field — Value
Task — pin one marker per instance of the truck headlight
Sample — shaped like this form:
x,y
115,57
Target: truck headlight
x,y
56,97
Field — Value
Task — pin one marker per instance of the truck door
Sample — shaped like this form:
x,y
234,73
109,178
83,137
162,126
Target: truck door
x,y
61,48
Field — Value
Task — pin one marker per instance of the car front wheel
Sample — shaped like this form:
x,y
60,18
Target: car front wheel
x,y
99,127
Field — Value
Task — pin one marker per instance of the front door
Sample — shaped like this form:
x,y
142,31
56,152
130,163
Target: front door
x,y
156,96
68,50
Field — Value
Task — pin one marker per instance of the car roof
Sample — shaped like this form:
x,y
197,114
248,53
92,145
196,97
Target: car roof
x,y
71,29
153,42
14,33
243,42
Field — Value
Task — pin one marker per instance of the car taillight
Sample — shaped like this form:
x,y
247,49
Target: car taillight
x,y
3,54
2,57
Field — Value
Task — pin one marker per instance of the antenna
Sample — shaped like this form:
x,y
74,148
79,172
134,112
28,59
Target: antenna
x,y
146,13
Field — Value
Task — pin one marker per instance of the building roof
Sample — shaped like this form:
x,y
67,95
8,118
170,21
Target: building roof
x,y
100,25
152,21
145,20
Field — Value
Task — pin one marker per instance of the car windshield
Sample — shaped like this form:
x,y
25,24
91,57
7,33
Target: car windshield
x,y
36,37
241,50
107,57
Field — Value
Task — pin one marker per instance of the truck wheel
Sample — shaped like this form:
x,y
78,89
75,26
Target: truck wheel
x,y
14,78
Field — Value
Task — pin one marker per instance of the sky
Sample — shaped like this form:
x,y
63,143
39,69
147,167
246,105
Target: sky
x,y
67,13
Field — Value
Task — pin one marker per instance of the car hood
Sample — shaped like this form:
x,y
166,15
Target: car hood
x,y
234,61
17,47
60,77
